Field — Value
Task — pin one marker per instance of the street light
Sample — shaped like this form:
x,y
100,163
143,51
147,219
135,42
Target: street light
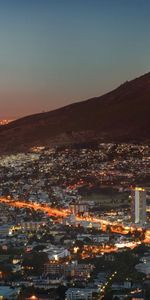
x,y
33,298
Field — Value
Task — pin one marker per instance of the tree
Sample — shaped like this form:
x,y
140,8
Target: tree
x,y
61,290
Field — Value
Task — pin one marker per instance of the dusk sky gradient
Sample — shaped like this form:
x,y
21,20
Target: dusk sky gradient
x,y
55,52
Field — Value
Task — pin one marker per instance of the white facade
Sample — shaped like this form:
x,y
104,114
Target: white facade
x,y
138,209
79,294
55,253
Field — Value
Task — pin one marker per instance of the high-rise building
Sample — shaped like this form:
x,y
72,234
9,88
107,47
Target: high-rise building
x,y
138,206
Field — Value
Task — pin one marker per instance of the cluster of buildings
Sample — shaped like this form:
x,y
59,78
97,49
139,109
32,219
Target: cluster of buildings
x,y
85,251
31,175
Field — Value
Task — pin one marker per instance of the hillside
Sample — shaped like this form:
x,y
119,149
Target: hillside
x,y
121,115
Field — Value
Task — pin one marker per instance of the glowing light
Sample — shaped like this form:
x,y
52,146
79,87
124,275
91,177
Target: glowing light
x,y
139,189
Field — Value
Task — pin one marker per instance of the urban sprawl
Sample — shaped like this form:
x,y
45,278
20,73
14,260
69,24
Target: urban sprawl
x,y
75,223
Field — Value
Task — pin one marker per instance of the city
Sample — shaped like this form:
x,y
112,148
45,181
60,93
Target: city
x,y
74,150
66,230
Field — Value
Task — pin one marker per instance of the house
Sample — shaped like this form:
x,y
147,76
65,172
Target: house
x,y
10,293
79,293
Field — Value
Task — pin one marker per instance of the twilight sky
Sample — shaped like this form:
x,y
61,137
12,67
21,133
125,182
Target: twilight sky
x,y
55,52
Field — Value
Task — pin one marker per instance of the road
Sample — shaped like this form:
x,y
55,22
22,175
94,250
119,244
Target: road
x,y
44,208
114,226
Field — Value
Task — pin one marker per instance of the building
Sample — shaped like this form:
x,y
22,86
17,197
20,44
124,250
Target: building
x,y
79,208
54,268
30,226
82,271
79,294
55,253
143,268
6,292
138,206
6,230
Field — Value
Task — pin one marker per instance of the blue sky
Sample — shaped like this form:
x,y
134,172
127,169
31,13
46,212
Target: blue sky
x,y
55,52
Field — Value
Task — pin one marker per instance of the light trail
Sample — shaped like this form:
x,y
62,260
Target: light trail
x,y
44,208
63,213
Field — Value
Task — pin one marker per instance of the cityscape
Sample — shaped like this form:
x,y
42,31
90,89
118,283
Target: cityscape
x,y
5,122
74,150
72,229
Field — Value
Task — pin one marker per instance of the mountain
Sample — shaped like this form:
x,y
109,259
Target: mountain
x,y
122,115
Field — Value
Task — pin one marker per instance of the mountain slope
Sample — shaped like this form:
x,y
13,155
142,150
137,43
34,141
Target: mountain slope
x,y
121,115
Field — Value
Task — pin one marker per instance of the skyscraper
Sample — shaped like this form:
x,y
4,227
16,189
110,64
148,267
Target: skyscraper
x,y
138,206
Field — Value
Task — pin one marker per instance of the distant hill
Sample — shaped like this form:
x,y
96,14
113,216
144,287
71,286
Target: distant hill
x,y
123,115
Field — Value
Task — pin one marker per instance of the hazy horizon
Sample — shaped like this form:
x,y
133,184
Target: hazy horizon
x,y
54,53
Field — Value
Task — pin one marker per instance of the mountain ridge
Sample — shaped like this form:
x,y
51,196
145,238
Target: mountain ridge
x,y
119,115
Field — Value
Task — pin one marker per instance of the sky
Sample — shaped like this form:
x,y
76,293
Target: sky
x,y
56,52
